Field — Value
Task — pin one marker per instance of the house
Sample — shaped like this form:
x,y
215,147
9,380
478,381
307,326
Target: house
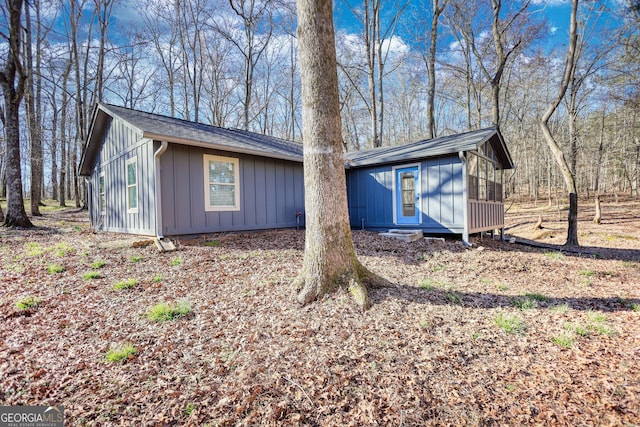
x,y
451,184
156,175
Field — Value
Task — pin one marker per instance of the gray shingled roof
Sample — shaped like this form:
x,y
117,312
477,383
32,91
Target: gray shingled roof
x,y
164,128
432,148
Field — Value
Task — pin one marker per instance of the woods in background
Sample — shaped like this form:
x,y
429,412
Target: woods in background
x,y
407,71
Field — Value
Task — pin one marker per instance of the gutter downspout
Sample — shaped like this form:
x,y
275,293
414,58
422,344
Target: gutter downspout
x,y
89,196
158,188
465,200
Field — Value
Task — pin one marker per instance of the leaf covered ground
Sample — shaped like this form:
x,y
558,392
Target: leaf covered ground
x,y
501,333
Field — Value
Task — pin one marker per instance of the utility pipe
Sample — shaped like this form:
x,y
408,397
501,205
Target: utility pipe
x,y
158,188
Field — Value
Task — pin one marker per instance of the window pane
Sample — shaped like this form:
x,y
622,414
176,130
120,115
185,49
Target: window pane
x,y
222,195
482,180
408,193
221,172
133,197
131,174
101,184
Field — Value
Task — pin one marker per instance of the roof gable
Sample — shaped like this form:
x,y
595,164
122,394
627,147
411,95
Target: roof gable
x,y
442,146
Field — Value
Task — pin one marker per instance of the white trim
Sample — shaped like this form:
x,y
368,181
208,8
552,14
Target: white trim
x,y
133,160
236,184
418,190
102,192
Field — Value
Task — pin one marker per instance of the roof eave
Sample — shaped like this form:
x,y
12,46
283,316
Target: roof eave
x,y
209,145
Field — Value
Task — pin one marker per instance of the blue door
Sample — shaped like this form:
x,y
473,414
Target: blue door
x,y
407,195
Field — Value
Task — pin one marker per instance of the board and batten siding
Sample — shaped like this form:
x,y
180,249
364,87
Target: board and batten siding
x,y
370,191
121,143
271,192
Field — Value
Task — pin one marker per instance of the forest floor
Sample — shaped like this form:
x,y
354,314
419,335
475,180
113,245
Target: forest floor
x,y
499,333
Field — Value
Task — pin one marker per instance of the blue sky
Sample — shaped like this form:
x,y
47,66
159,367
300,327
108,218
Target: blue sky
x,y
556,13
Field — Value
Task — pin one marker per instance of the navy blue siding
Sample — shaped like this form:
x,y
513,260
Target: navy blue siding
x,y
271,192
370,195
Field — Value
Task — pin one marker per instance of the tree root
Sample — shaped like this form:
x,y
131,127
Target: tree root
x,y
358,281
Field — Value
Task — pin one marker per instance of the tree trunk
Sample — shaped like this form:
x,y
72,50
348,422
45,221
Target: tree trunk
x,y
33,120
598,216
567,173
329,260
16,216
431,68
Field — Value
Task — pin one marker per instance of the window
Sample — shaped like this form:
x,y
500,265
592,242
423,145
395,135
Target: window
x,y
221,183
484,177
132,185
103,199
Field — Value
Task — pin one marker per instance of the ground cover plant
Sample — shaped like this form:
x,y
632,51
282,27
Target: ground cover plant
x,y
434,348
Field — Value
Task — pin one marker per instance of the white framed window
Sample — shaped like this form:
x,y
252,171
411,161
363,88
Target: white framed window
x,y
221,183
132,185
103,198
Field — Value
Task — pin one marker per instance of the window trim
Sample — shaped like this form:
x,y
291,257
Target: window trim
x,y
102,193
133,160
207,158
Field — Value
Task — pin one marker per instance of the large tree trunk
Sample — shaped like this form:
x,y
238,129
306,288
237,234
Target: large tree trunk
x,y
33,119
567,173
12,91
431,67
329,259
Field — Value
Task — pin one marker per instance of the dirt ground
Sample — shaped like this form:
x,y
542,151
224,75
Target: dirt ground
x,y
498,334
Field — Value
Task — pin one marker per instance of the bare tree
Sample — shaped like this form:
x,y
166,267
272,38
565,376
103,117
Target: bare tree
x,y
377,42
32,97
12,81
567,173
257,28
329,259
430,62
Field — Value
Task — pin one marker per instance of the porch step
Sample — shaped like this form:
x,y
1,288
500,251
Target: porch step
x,y
165,245
405,235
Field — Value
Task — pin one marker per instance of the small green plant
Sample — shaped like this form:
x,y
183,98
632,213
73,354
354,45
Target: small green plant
x,y
157,278
55,268
168,311
27,303
176,261
98,264
537,297
511,387
124,284
33,249
560,308
554,255
212,243
598,323
189,409
427,284
503,287
136,258
634,306
596,317
587,273
120,352
438,267
453,298
564,340
228,355
523,303
91,275
63,249
511,324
